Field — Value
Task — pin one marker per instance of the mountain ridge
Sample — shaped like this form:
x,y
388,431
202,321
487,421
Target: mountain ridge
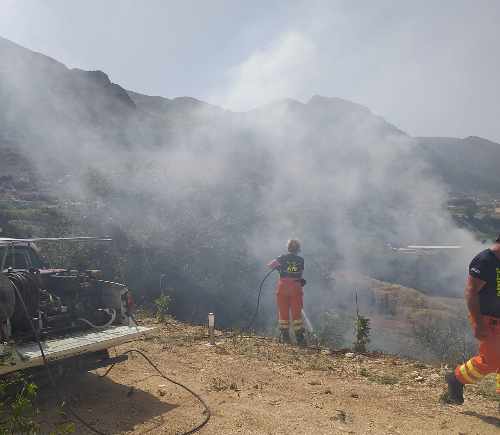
x,y
44,102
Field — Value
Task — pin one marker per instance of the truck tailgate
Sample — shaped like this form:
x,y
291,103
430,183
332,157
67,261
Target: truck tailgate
x,y
29,355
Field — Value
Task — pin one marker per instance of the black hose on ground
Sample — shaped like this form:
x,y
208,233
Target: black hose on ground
x,y
56,389
197,428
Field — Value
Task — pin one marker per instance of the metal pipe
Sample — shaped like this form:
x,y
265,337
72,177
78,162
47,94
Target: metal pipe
x,y
211,324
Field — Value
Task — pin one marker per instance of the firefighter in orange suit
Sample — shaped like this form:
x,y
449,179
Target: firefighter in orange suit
x,y
482,295
289,293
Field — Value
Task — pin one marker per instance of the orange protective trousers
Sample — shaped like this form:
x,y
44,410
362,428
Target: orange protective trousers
x,y
289,296
488,360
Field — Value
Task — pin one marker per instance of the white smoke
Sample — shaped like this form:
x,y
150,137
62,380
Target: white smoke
x,y
271,73
341,179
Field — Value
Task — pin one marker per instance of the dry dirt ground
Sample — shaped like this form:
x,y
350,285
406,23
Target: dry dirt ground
x,y
255,385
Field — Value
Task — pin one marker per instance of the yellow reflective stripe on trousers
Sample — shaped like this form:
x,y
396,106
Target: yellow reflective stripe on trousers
x,y
498,381
474,371
284,323
466,375
298,325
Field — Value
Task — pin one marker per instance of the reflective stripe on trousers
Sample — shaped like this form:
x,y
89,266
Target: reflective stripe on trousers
x,y
289,298
488,360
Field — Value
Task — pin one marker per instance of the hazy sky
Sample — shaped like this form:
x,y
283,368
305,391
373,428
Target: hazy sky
x,y
429,67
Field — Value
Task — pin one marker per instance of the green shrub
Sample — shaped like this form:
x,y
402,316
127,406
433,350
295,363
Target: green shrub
x,y
63,430
162,305
362,331
19,419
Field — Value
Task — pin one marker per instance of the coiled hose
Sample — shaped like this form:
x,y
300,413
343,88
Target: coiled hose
x,y
27,289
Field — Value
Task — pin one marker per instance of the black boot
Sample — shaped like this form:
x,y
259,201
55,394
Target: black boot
x,y
455,388
285,336
301,340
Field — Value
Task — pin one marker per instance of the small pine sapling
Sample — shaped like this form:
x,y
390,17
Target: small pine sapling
x,y
362,332
162,306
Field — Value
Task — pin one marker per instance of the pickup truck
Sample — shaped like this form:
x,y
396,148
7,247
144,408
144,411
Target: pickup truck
x,y
77,315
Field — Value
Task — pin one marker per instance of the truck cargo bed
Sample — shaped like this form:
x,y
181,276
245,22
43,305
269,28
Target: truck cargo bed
x,y
29,355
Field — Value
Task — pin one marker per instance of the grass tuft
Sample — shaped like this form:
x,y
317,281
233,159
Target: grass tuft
x,y
445,398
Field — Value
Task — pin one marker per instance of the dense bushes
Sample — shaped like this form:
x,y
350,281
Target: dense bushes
x,y
447,339
332,331
25,213
198,242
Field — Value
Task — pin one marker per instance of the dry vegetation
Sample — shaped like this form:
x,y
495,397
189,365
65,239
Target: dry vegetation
x,y
255,384
407,300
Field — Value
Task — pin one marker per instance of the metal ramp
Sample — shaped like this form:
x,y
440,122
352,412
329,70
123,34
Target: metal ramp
x,y
29,355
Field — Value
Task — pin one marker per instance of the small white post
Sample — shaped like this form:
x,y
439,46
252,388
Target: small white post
x,y
211,335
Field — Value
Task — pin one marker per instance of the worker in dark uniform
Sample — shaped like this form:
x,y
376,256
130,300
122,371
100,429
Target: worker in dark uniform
x,y
482,295
289,293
